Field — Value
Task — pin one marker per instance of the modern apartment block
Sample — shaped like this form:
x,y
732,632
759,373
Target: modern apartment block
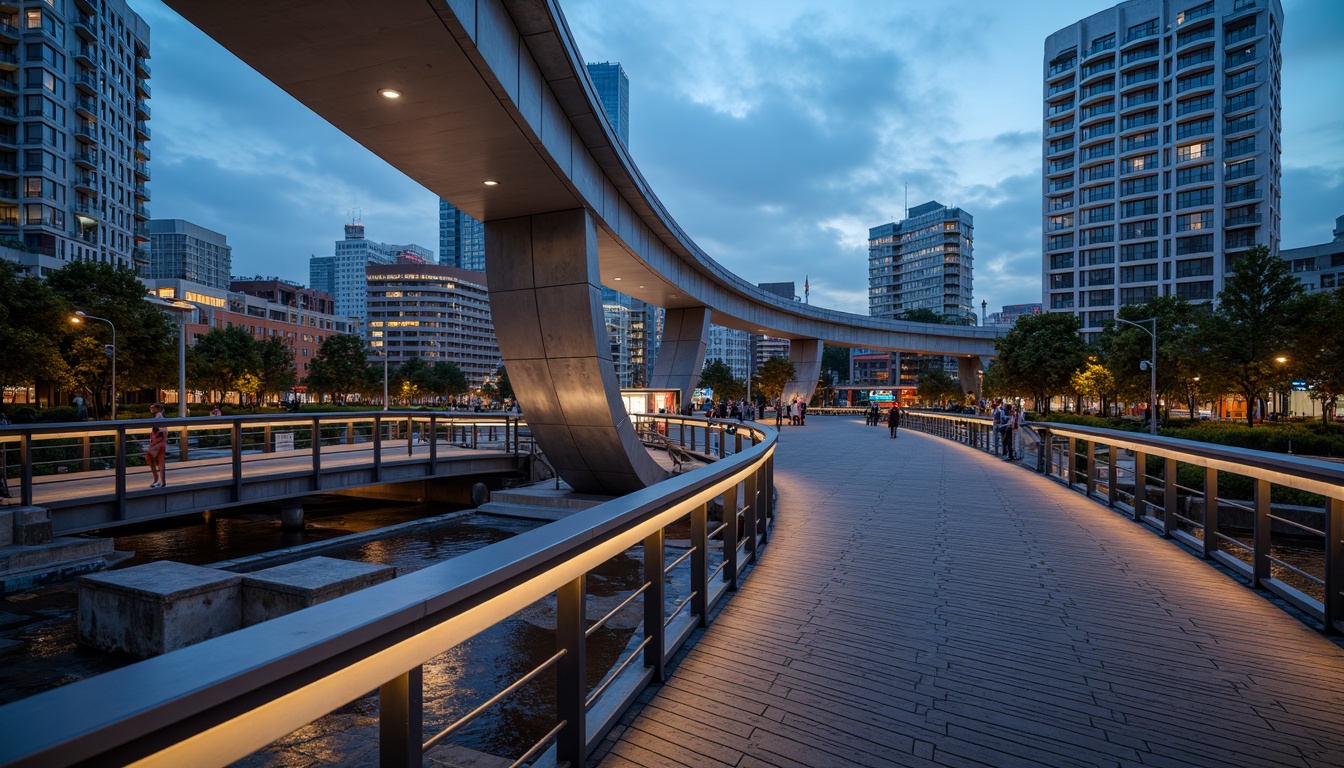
x,y
435,313
732,347
181,250
613,88
922,262
343,275
1161,151
461,239
74,116
644,338
1319,267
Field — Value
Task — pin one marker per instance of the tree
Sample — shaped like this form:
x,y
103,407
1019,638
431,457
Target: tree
x,y
1257,309
1315,348
718,377
773,376
935,386
220,360
33,319
340,367
277,372
1094,380
503,383
826,383
1039,355
447,379
921,315
836,359
1124,346
146,338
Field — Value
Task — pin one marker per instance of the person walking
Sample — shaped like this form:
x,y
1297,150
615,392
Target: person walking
x,y
157,448
894,419
802,413
998,420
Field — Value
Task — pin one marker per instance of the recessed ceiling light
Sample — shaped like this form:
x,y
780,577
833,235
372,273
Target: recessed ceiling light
x,y
389,93
491,183
615,278
641,286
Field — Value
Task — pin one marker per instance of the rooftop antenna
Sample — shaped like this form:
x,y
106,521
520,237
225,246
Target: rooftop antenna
x,y
907,200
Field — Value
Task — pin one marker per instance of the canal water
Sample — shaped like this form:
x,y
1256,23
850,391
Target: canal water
x,y
38,650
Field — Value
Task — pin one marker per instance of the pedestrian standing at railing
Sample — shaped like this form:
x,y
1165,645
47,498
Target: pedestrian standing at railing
x,y
1011,420
998,420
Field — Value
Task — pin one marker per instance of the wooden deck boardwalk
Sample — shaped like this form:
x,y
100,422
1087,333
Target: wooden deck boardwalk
x,y
924,604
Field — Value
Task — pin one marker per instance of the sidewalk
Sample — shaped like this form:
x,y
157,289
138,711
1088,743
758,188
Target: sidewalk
x,y
925,604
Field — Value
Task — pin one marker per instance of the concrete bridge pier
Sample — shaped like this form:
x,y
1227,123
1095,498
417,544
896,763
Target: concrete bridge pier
x,y
682,353
546,301
805,354
291,516
969,370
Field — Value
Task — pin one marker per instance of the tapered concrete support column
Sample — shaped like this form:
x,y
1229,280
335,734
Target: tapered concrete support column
x,y
968,374
546,303
681,354
805,354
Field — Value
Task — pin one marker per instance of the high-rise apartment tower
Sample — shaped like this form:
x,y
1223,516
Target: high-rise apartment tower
x,y
1161,151
74,119
922,262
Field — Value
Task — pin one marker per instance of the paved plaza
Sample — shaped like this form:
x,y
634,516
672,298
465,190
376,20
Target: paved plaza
x,y
925,604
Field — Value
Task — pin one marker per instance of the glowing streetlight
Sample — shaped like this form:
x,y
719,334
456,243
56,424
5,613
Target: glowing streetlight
x,y
181,308
1151,365
79,318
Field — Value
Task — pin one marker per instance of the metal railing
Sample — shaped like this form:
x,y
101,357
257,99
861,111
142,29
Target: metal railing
x,y
223,699
1173,485
67,465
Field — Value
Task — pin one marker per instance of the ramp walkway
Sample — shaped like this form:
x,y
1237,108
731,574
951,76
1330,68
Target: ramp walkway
x,y
924,604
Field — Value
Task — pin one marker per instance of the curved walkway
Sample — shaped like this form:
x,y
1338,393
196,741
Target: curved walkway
x,y
924,604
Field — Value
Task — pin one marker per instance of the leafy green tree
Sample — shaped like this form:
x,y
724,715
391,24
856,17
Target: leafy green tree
x,y
1317,348
718,376
836,359
146,339
921,315
446,379
33,319
340,368
277,372
412,379
773,375
826,387
1124,346
219,361
1094,380
1252,325
1039,356
501,381
935,386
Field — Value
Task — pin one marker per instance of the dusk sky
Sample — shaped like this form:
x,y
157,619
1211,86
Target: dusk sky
x,y
776,133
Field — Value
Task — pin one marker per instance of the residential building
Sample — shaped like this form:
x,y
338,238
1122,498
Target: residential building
x,y
1160,151
1011,312
181,250
74,127
922,262
644,338
435,313
732,347
1319,267
343,275
265,307
461,239
616,313
613,88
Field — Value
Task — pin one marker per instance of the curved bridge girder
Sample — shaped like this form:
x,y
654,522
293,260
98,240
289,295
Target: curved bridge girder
x,y
546,300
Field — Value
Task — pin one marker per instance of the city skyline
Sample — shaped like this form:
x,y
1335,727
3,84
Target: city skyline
x,y
776,140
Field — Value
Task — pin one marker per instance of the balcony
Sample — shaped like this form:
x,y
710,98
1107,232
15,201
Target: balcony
x,y
87,82
1060,88
142,213
140,256
86,159
85,54
142,67
142,171
1061,67
86,27
1238,194
9,32
141,151
87,106
1197,36
141,192
1194,83
88,210
9,139
87,134
141,233
141,130
88,6
8,114
9,61
142,88
87,183
1242,220
9,86
9,166
141,110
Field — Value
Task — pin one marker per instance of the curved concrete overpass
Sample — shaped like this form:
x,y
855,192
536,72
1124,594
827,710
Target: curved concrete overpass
x,y
496,90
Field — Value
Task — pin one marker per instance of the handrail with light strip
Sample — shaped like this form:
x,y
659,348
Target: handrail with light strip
x,y
223,699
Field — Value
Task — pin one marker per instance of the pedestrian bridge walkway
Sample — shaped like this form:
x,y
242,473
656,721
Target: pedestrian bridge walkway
x,y
924,604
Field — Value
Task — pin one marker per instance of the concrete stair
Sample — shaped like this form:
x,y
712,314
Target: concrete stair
x,y
539,503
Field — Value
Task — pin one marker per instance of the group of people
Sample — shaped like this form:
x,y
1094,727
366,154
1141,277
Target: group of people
x,y
794,412
873,417
1006,419
725,409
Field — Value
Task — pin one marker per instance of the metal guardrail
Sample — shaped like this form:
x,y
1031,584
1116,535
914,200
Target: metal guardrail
x,y
70,464
223,699
1112,467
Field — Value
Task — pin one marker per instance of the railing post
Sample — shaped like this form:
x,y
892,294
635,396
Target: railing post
x,y
571,675
401,720
1169,496
237,449
266,446
434,443
655,630
183,450
410,436
1070,460
26,469
1260,554
730,534
377,449
700,563
350,432
749,522
317,454
1334,564
1091,468
1114,474
1210,512
84,450
1140,484
1047,453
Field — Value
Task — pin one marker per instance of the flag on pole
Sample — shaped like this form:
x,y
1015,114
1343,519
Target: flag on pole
x,y
807,290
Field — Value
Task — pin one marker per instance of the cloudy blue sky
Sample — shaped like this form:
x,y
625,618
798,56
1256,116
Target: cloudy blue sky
x,y
775,131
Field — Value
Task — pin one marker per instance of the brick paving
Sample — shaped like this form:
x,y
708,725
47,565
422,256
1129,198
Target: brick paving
x,y
924,604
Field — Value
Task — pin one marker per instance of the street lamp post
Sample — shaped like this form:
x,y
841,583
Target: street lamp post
x,y
80,317
181,308
1152,369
